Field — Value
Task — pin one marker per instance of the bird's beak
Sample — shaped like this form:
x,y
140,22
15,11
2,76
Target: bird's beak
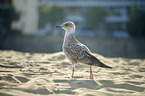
x,y
57,27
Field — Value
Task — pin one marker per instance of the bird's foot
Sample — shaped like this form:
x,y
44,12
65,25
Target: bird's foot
x,y
91,76
72,77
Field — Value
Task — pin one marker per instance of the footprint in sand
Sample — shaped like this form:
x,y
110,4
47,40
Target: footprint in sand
x,y
22,79
135,82
10,66
118,87
142,70
136,76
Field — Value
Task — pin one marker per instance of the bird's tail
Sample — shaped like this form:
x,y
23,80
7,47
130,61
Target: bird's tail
x,y
100,64
104,65
97,62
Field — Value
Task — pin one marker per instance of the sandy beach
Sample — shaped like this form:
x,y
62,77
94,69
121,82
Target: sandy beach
x,y
44,74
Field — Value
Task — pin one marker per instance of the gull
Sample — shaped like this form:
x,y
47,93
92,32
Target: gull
x,y
77,52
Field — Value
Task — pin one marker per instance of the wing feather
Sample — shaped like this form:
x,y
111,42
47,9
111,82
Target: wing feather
x,y
81,54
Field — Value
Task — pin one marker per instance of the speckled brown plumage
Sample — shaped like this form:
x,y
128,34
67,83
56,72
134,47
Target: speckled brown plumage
x,y
75,51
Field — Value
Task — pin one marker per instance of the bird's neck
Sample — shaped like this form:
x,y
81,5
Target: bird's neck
x,y
70,37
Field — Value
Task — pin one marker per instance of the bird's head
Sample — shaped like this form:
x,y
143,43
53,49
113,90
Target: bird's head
x,y
67,26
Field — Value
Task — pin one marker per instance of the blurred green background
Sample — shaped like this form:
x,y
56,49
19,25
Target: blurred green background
x,y
113,28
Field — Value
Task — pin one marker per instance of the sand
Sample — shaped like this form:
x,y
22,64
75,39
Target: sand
x,y
42,74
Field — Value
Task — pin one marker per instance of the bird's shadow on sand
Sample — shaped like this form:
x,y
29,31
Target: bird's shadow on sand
x,y
91,84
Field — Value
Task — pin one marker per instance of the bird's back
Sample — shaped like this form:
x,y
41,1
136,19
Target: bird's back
x,y
75,51
80,54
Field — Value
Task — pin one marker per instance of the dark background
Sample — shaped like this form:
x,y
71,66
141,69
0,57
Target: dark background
x,y
112,29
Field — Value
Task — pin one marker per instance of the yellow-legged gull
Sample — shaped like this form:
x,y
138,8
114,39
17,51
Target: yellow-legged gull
x,y
77,52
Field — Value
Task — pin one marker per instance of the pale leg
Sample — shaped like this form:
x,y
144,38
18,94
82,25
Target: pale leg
x,y
73,71
91,75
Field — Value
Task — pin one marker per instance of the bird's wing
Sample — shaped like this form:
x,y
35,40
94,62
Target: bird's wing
x,y
83,55
94,61
85,48
80,53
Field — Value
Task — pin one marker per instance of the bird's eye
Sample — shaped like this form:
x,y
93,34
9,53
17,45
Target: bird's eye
x,y
66,24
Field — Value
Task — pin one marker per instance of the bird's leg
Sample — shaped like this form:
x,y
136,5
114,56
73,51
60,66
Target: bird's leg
x,y
73,71
91,75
